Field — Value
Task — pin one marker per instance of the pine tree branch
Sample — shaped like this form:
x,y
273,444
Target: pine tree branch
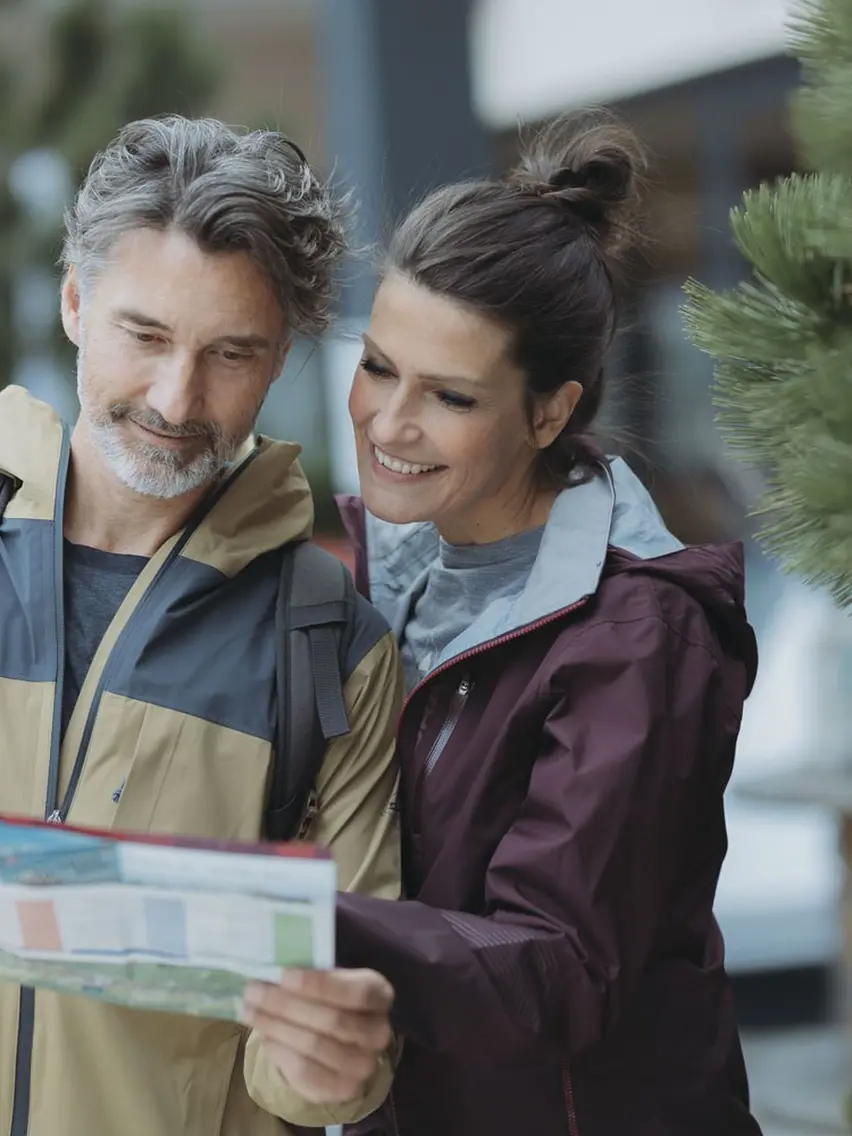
x,y
782,341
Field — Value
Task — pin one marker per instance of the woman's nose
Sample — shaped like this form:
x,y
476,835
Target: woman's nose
x,y
394,422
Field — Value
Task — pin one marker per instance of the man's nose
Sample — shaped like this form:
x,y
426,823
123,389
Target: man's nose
x,y
174,394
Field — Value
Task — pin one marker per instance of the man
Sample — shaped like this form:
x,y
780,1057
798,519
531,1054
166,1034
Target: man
x,y
139,568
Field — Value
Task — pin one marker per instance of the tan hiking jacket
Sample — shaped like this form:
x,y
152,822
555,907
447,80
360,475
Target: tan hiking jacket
x,y
172,733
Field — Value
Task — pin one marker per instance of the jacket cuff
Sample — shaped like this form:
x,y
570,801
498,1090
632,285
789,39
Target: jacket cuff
x,y
268,1089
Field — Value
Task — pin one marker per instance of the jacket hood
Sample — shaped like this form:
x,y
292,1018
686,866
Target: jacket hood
x,y
613,513
714,575
266,505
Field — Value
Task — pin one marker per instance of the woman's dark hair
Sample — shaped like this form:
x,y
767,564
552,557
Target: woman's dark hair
x,y
539,251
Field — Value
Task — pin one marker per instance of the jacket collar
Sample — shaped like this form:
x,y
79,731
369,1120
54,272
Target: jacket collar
x,y
267,505
613,508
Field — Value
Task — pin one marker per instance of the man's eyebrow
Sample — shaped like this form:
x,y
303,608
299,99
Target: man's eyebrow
x,y
247,342
448,380
140,319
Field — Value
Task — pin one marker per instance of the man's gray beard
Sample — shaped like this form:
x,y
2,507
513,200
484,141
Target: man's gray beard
x,y
152,471
149,469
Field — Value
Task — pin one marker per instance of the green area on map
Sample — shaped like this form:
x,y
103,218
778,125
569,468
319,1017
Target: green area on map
x,y
200,991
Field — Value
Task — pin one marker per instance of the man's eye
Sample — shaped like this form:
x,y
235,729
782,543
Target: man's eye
x,y
235,356
145,337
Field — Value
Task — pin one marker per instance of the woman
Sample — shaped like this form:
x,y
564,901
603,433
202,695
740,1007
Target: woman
x,y
576,683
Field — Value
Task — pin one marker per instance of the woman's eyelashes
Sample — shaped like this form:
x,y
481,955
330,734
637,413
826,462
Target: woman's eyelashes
x,y
451,399
455,401
376,369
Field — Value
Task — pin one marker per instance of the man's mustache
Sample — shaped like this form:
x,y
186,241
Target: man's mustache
x,y
151,420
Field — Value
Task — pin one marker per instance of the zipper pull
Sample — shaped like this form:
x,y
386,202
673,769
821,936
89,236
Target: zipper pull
x,y
312,809
116,797
465,687
55,817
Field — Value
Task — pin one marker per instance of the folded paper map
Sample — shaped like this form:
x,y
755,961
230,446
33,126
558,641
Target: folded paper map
x,y
158,923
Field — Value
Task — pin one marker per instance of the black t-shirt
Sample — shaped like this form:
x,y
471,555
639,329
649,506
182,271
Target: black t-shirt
x,y
96,584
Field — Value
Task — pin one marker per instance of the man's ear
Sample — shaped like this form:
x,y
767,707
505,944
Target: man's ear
x,y
553,412
284,353
71,305
281,355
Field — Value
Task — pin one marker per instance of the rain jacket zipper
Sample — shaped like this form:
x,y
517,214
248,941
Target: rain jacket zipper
x,y
570,1106
446,731
439,745
59,812
55,812
26,1004
394,1120
480,648
465,686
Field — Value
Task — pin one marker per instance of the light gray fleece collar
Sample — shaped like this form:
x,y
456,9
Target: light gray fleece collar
x,y
584,521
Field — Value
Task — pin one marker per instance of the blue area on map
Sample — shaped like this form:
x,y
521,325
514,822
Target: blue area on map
x,y
50,854
165,920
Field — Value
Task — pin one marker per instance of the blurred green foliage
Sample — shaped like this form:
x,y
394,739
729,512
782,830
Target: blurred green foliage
x,y
103,66
782,341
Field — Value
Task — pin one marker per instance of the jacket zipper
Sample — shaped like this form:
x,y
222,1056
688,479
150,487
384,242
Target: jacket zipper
x,y
312,809
54,813
394,1119
59,812
26,1002
59,607
461,695
446,731
509,637
570,1106
457,703
437,749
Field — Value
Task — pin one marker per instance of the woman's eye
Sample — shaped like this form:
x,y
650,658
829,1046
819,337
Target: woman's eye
x,y
375,369
455,401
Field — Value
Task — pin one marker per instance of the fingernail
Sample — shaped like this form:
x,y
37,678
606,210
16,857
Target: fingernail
x,y
291,979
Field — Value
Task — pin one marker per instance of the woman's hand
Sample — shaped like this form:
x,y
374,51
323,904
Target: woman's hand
x,y
325,1030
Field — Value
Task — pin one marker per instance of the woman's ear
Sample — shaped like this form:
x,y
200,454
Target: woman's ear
x,y
553,412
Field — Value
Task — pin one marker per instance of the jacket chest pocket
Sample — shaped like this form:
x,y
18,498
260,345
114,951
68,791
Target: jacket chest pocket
x,y
439,723
159,770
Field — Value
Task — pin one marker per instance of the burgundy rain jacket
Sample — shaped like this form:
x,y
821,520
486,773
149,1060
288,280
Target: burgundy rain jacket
x,y
558,968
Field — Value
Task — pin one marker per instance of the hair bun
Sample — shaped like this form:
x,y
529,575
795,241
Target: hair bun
x,y
589,163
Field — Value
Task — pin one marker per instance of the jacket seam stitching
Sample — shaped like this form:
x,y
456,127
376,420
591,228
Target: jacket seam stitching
x,y
599,624
656,617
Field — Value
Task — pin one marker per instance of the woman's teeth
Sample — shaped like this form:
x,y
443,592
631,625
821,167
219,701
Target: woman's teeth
x,y
400,466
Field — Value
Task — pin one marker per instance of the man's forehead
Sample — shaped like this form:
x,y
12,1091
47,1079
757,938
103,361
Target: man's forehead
x,y
138,318
171,255
165,278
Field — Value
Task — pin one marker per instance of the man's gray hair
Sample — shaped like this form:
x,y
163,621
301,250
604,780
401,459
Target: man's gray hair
x,y
229,190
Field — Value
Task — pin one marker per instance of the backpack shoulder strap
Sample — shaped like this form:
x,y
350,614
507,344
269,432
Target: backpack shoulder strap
x,y
313,611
